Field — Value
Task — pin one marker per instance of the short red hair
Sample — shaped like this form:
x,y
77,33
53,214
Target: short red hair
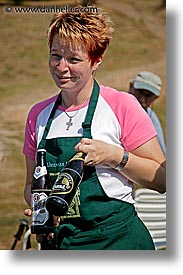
x,y
91,30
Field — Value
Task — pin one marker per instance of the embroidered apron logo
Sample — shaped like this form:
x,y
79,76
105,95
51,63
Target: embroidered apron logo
x,y
60,164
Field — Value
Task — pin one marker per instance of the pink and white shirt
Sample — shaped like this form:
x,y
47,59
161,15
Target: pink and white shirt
x,y
119,119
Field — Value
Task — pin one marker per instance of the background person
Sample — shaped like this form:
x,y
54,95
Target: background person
x,y
117,136
146,87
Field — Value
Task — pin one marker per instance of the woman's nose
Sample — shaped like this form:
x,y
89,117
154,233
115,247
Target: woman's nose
x,y
62,65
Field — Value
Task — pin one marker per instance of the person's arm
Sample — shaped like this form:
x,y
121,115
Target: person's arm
x,y
146,164
30,166
156,122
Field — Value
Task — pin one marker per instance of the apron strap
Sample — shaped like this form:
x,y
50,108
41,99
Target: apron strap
x,y
50,119
90,112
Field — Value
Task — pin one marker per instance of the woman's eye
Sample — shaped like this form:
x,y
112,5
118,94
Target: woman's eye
x,y
75,59
72,60
56,56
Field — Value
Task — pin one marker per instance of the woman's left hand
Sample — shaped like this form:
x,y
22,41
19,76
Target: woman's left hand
x,y
99,152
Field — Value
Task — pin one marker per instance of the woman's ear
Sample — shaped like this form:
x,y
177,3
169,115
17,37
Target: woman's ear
x,y
97,63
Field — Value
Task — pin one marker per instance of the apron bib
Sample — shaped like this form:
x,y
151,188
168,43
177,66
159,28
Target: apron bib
x,y
91,208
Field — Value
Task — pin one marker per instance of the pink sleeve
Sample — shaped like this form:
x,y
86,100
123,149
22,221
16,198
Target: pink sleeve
x,y
30,141
137,127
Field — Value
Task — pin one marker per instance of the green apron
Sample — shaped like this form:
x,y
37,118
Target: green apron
x,y
94,221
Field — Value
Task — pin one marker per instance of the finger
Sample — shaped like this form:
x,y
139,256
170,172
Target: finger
x,y
77,146
56,221
28,212
88,160
86,141
83,141
88,163
84,147
50,236
40,237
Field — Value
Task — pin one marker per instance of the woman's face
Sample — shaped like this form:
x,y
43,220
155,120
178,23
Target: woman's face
x,y
70,68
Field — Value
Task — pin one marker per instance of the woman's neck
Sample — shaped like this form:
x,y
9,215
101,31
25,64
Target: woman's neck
x,y
73,99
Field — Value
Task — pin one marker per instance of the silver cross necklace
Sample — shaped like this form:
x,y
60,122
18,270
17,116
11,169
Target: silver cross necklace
x,y
69,123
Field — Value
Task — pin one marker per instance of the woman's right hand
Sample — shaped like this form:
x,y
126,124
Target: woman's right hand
x,y
40,237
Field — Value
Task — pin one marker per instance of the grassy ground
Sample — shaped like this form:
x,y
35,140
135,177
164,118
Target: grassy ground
x,y
138,44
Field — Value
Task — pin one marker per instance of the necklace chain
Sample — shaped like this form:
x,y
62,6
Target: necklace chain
x,y
70,123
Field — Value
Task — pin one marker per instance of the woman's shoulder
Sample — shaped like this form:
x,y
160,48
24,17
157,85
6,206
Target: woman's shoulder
x,y
40,106
116,97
